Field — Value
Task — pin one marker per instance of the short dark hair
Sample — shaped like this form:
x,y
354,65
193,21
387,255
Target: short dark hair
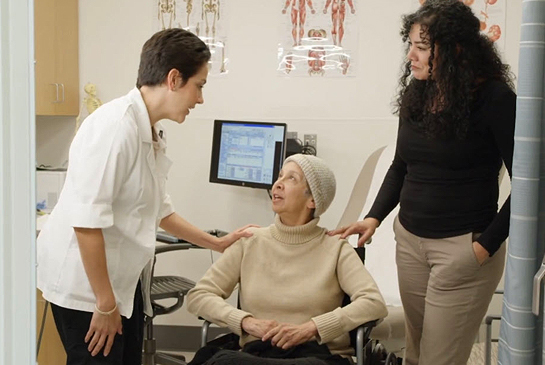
x,y
167,49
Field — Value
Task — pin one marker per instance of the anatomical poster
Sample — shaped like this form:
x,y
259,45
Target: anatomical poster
x,y
491,14
205,18
317,38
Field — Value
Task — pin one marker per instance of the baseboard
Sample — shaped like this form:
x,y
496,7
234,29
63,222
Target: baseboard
x,y
182,338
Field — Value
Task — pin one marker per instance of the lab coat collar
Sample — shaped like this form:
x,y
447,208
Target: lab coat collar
x,y
142,116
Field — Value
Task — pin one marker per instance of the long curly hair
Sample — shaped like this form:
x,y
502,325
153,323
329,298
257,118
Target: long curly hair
x,y
461,59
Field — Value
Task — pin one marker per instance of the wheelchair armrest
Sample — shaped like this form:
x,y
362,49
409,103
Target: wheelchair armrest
x,y
204,332
174,247
172,240
364,330
362,336
371,324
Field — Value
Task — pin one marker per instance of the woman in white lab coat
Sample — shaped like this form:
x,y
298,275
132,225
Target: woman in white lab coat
x,y
101,234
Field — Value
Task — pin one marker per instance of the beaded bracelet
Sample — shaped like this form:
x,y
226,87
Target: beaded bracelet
x,y
105,313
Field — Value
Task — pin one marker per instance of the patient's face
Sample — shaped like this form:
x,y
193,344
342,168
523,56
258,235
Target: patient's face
x,y
290,195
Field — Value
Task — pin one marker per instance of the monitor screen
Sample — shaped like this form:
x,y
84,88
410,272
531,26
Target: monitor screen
x,y
247,153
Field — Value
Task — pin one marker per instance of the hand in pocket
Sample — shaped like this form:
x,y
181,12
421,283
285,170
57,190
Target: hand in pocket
x,y
480,252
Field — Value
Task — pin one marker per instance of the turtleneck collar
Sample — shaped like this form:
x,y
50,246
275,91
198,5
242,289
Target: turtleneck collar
x,y
295,234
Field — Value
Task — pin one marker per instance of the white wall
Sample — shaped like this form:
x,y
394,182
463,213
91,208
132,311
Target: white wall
x,y
351,116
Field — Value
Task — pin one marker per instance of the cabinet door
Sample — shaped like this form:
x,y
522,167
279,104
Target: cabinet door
x,y
56,50
44,46
51,349
67,50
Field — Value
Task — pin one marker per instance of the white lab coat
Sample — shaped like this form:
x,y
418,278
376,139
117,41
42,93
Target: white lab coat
x,y
116,182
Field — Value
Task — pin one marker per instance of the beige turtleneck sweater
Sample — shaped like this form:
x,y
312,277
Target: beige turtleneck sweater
x,y
291,275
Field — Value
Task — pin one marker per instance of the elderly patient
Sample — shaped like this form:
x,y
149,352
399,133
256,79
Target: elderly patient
x,y
292,277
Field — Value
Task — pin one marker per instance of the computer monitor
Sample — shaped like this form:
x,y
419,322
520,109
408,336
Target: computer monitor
x,y
247,153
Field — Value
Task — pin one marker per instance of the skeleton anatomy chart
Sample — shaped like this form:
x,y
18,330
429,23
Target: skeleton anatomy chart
x,y
491,13
317,37
205,18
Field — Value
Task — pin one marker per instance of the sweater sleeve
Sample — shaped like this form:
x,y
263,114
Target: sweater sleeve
x,y
366,304
390,190
501,121
207,298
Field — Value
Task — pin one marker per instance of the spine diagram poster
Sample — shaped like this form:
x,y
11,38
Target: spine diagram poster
x,y
205,18
491,14
317,38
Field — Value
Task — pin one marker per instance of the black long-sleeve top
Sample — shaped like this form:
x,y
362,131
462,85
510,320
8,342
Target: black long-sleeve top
x,y
450,187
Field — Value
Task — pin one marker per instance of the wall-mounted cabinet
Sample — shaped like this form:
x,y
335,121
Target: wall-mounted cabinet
x,y
56,52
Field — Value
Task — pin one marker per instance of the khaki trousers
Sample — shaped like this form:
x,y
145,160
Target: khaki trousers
x,y
445,295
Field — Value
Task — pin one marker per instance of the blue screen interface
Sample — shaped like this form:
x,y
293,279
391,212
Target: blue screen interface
x,y
247,152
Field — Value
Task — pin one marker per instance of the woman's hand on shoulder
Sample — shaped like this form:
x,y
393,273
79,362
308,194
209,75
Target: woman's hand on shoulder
x,y
365,228
287,335
229,239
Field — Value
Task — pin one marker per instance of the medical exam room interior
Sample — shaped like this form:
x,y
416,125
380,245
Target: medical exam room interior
x,y
259,72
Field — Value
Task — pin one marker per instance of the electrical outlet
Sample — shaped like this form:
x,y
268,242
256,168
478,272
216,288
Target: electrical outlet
x,y
311,140
291,135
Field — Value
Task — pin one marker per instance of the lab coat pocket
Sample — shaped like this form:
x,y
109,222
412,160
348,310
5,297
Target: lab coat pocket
x,y
74,282
162,165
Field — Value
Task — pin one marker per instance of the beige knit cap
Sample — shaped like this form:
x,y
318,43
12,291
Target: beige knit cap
x,y
320,180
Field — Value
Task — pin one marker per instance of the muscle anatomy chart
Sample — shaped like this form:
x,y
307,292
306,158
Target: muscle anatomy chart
x,y
317,38
205,18
491,14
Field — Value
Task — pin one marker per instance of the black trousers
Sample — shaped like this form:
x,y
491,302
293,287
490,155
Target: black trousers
x,y
264,353
73,325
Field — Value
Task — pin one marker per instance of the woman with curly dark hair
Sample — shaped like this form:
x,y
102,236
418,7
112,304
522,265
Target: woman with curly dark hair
x,y
456,110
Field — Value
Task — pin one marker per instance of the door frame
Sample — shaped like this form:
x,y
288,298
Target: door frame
x,y
17,184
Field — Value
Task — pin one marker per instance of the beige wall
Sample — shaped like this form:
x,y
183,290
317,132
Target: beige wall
x,y
351,116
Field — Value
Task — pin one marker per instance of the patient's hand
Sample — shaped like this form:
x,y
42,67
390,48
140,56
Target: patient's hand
x,y
257,327
232,237
287,335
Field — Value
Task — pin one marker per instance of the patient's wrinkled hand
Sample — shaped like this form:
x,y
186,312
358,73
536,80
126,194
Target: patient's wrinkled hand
x,y
365,228
257,327
232,237
287,335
